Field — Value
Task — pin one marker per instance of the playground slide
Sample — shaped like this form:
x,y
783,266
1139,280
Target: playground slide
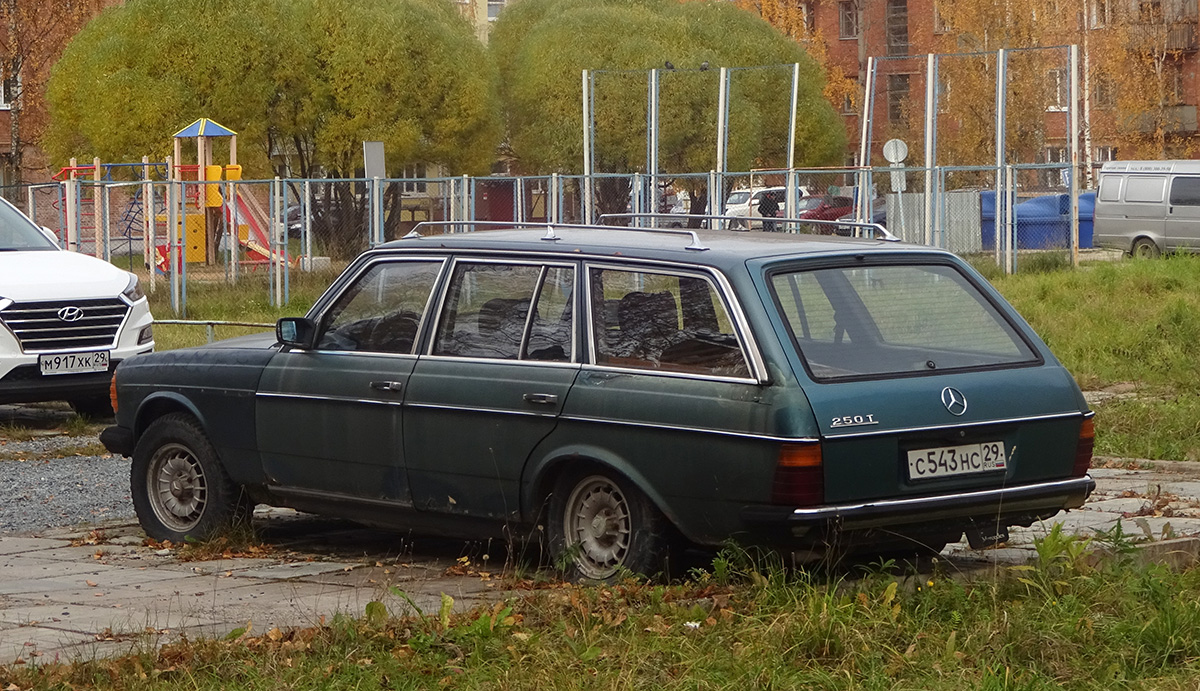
x,y
258,237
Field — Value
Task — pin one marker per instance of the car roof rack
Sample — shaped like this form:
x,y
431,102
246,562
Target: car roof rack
x,y
695,245
882,232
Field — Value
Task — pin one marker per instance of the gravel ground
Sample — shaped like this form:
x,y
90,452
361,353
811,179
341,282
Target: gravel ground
x,y
40,494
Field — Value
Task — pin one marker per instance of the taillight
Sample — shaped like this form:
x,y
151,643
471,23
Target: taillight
x,y
112,392
1083,451
799,476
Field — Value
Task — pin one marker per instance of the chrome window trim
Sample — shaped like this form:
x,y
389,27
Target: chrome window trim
x,y
671,373
505,258
500,361
335,399
685,428
362,270
746,341
955,425
357,353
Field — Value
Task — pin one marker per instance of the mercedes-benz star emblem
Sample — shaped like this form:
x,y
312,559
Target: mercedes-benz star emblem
x,y
954,401
70,314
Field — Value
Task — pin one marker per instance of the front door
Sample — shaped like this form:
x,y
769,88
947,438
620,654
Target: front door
x,y
329,420
492,386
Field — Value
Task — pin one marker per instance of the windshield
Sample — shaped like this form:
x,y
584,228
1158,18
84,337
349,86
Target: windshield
x,y
912,319
737,198
18,233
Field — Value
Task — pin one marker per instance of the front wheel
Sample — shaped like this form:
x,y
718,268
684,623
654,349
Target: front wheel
x,y
601,525
180,490
1144,248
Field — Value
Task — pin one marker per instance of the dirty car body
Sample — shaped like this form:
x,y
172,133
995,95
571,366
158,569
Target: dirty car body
x,y
624,389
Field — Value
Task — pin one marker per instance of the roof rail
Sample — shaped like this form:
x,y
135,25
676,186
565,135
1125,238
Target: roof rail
x,y
695,245
882,232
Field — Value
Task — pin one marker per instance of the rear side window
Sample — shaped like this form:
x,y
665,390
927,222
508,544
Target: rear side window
x,y
487,312
1110,188
1185,191
1145,188
887,320
663,321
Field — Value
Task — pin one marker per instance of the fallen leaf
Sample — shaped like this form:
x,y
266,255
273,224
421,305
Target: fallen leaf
x,y
91,584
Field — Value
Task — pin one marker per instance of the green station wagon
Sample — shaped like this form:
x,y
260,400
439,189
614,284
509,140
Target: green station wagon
x,y
623,392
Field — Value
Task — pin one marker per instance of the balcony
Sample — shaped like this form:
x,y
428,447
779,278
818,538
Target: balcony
x,y
1174,120
1181,36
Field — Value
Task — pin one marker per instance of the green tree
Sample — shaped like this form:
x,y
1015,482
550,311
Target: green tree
x,y
312,78
542,46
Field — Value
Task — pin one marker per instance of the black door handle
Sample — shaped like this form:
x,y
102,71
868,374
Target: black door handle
x,y
387,385
541,398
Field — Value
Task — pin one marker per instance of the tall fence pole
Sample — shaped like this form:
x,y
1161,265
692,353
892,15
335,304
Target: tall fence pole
x,y
652,138
588,156
931,77
1001,106
1074,125
864,146
790,197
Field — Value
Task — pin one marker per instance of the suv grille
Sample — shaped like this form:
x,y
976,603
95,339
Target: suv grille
x,y
38,327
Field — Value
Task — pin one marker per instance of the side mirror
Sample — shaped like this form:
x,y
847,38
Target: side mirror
x,y
297,332
49,235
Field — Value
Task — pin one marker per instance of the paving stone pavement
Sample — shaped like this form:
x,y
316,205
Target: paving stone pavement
x,y
63,599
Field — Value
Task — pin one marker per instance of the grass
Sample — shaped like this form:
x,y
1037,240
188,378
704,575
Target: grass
x,y
1067,622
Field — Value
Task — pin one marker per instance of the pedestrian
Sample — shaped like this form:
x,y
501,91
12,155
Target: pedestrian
x,y
768,208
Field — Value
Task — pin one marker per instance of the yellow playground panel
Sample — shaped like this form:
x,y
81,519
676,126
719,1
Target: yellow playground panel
x,y
195,244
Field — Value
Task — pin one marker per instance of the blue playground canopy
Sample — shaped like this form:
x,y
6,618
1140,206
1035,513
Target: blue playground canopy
x,y
204,127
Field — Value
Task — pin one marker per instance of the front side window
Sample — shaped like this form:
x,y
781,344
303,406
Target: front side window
x,y
663,321
1185,191
381,311
888,320
487,312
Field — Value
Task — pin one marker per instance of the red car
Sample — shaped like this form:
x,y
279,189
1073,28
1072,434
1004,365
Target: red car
x,y
825,208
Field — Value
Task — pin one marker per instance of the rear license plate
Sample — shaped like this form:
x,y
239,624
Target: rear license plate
x,y
944,461
73,363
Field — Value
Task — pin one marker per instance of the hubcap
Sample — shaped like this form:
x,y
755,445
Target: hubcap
x,y
177,488
598,525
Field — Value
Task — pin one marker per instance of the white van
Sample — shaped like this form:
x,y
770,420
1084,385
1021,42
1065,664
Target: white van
x,y
1148,207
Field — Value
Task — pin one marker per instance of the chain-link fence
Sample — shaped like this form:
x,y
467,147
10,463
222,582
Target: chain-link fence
x,y
228,229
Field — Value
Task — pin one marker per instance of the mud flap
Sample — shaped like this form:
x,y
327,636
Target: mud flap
x,y
984,534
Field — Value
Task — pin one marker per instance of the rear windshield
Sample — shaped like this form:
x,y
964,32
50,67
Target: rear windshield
x,y
892,320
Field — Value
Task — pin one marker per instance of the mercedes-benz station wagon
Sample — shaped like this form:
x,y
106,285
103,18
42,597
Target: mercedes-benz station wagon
x,y
623,392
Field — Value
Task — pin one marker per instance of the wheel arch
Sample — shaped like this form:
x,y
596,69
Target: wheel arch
x,y
159,404
543,472
1159,243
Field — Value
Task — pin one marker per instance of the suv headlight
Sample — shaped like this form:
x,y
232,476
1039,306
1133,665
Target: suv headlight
x,y
133,291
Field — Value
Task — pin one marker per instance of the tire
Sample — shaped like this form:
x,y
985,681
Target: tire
x,y
93,406
601,525
1144,248
180,490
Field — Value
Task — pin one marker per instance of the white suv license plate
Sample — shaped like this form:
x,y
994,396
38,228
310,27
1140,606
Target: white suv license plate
x,y
73,363
944,461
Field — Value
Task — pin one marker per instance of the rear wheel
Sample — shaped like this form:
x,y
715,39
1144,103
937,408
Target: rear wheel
x,y
600,525
1144,248
180,490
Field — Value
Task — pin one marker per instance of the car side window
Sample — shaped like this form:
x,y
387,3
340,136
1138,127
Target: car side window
x,y
381,311
663,321
1185,191
486,313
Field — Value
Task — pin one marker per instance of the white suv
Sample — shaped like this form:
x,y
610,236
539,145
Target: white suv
x,y
66,319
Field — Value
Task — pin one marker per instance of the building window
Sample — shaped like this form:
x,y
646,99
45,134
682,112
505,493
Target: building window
x,y
847,19
1060,89
1056,177
413,179
1100,154
1099,14
897,27
943,93
897,98
806,16
1172,84
1150,11
849,98
494,7
1104,96
8,92
941,24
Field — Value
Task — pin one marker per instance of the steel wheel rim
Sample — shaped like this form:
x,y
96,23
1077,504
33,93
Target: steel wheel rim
x,y
177,487
598,527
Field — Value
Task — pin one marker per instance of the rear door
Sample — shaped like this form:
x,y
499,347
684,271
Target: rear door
x,y
921,382
1183,212
492,386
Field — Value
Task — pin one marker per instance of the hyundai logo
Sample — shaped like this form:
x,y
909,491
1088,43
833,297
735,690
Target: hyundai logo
x,y
954,401
70,314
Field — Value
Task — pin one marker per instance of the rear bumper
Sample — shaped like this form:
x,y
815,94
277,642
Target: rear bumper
x,y
1011,505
